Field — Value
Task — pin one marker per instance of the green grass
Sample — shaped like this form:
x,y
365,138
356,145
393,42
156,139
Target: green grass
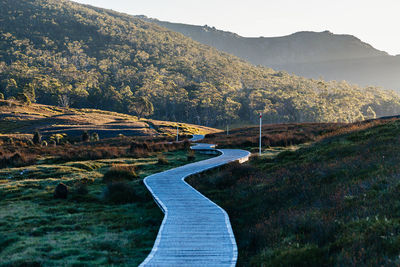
x,y
333,203
35,228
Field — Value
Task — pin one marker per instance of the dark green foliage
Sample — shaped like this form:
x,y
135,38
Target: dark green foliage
x,y
186,144
81,189
37,138
85,136
23,98
120,193
52,143
191,156
140,106
95,137
60,52
305,256
29,143
61,191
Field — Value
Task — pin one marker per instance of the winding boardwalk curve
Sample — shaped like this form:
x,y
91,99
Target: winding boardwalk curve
x,y
195,231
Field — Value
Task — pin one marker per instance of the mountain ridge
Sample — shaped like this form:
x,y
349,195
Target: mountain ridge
x,y
304,47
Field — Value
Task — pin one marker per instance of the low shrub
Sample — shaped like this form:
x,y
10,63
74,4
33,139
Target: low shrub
x,y
162,160
61,191
120,172
85,136
37,138
16,160
186,144
9,141
95,137
191,156
29,143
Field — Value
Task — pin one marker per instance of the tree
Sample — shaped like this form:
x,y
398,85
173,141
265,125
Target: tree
x,y
370,114
64,100
85,136
23,98
11,87
37,138
140,106
1,96
95,137
29,90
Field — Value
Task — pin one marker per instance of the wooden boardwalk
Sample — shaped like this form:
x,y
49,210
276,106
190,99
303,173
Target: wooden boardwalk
x,y
195,231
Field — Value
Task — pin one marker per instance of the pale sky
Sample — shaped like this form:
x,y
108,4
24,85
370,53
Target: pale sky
x,y
376,22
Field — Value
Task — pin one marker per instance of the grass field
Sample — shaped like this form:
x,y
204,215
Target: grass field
x,y
86,228
334,202
16,117
320,195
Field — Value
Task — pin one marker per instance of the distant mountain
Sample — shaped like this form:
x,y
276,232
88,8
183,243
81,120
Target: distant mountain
x,y
59,52
310,54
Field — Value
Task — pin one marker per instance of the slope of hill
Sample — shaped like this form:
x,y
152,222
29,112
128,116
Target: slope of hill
x,y
310,54
50,120
60,52
332,203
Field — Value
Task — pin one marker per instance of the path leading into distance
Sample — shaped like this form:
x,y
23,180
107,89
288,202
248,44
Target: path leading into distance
x,y
195,231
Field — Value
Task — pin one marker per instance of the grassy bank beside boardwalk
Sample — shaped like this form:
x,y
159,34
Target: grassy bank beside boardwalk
x,y
335,202
102,221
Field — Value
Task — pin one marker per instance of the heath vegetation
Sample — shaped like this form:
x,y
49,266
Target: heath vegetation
x,y
333,202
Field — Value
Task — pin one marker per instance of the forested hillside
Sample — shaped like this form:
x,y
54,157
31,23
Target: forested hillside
x,y
62,53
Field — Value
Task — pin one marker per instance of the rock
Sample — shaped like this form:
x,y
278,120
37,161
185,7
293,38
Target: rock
x,y
61,191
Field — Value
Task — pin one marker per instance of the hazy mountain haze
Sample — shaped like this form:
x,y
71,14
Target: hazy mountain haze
x,y
374,22
310,54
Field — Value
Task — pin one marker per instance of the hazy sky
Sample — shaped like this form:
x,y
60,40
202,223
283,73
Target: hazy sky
x,y
376,22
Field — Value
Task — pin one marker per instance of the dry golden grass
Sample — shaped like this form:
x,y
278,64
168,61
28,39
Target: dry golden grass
x,y
25,119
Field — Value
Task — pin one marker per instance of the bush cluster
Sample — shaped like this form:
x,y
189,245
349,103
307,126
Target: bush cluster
x,y
119,173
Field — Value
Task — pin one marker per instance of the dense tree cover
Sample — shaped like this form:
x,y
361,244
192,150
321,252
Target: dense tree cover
x,y
60,52
141,106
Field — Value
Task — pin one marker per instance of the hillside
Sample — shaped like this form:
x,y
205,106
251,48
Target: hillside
x,y
22,121
310,54
330,203
67,54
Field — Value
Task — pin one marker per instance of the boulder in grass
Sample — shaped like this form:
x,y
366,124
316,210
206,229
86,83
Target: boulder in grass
x,y
61,191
